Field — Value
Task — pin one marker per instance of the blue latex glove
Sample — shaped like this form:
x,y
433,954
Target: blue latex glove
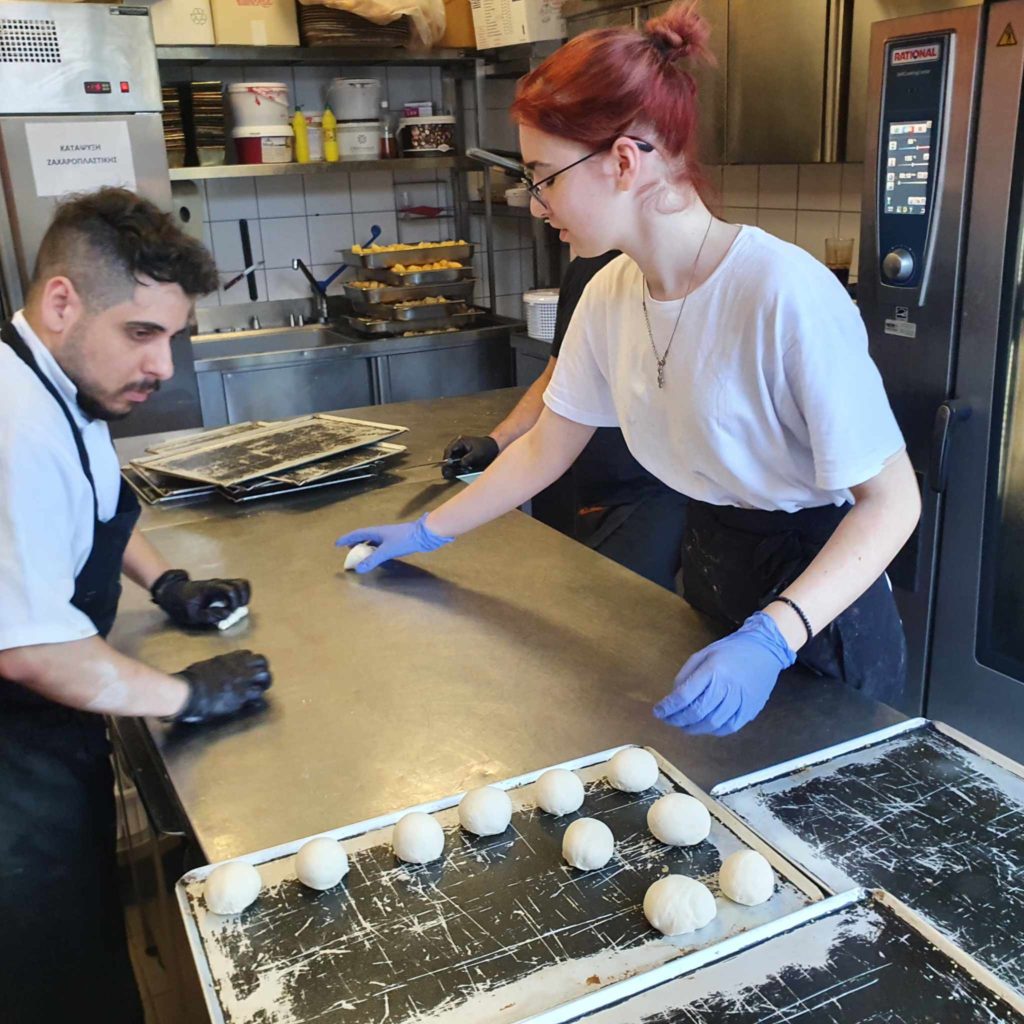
x,y
393,541
724,686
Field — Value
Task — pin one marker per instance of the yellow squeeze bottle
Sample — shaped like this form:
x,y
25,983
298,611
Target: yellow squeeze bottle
x,y
330,123
301,130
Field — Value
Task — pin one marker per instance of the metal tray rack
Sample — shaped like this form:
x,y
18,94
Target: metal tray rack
x,y
437,313
365,298
500,929
376,328
417,277
413,255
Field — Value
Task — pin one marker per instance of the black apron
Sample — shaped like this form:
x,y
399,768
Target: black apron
x,y
735,561
63,952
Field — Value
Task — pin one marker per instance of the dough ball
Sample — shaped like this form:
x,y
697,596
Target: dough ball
x,y
232,887
588,844
676,905
747,877
358,554
485,811
679,820
558,791
417,838
321,863
633,770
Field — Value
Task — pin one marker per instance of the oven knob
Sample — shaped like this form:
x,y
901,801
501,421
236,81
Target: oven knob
x,y
898,265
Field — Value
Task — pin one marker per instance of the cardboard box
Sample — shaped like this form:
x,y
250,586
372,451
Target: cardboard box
x,y
255,22
181,22
458,30
508,22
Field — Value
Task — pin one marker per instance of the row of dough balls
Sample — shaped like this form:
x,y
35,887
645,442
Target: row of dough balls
x,y
588,845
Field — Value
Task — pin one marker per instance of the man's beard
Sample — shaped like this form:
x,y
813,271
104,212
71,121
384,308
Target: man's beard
x,y
96,410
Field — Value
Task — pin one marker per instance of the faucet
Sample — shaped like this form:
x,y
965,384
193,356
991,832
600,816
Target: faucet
x,y
319,294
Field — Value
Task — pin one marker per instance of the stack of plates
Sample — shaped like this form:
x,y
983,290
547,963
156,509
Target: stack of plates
x,y
194,123
324,26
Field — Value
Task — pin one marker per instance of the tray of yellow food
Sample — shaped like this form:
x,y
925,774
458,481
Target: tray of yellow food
x,y
366,293
383,257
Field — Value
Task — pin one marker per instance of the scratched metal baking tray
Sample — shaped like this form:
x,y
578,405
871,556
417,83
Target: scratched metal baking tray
x,y
407,278
433,312
362,297
860,956
499,930
918,809
411,256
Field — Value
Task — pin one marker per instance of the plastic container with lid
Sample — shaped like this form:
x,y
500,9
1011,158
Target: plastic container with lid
x,y
541,311
354,99
264,144
259,103
359,140
427,134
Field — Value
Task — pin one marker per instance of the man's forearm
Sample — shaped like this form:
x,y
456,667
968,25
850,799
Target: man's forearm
x,y
90,675
142,563
527,410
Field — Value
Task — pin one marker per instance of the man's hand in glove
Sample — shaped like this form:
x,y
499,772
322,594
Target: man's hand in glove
x,y
222,686
198,602
469,455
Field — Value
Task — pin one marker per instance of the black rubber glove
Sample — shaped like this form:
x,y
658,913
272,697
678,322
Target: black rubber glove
x,y
222,686
471,454
198,602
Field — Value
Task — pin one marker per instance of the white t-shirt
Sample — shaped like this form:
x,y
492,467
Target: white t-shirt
x,y
771,400
46,505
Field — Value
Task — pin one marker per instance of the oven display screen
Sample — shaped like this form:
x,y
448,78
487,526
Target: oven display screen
x,y
907,167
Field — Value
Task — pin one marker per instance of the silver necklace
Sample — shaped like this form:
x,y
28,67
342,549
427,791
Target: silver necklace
x,y
661,359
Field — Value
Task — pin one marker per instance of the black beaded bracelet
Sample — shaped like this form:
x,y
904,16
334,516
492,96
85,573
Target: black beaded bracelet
x,y
803,618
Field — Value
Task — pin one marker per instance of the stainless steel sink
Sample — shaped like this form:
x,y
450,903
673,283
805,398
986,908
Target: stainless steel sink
x,y
238,344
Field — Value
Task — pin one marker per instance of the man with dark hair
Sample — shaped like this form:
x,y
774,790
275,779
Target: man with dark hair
x,y
114,281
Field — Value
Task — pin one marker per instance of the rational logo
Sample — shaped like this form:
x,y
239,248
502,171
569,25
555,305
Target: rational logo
x,y
914,54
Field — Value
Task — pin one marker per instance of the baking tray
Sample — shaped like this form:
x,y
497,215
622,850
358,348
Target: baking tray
x,y
205,436
918,809
372,454
276,447
154,494
855,958
499,930
427,254
418,277
435,312
360,297
398,328
267,487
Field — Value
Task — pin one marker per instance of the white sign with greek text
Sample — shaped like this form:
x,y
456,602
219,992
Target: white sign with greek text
x,y
79,156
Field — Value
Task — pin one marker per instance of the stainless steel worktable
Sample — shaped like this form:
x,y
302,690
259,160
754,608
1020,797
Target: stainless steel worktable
x,y
511,649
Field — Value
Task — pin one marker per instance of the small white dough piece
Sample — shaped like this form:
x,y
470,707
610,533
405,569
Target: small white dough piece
x,y
558,791
358,554
236,616
679,820
417,838
321,863
588,844
232,887
676,905
633,770
485,811
746,877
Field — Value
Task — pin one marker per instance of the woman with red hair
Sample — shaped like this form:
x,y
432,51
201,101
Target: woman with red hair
x,y
738,370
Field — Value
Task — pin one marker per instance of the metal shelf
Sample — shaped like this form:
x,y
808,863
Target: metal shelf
x,y
311,55
418,163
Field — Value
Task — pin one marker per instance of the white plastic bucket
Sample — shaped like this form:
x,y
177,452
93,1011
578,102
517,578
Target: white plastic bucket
x,y
354,99
264,144
259,103
359,140
541,312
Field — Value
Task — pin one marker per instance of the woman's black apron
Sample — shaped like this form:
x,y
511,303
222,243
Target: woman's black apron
x,y
63,953
735,561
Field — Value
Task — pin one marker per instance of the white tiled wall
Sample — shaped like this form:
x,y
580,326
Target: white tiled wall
x,y
312,216
804,203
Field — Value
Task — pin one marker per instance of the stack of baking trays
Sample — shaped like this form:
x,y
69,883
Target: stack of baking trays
x,y
245,461
408,290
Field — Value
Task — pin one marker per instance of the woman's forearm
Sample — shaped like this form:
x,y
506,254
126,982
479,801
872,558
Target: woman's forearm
x,y
865,542
526,466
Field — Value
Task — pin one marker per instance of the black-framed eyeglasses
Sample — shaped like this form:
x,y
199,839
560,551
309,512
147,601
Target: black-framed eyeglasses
x,y
536,187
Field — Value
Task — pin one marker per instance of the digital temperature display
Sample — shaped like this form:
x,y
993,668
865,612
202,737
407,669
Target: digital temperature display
x,y
907,167
97,87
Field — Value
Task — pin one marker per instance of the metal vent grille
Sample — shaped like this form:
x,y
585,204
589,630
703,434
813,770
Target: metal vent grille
x,y
29,41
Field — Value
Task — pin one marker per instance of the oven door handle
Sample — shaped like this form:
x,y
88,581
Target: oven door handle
x,y
946,417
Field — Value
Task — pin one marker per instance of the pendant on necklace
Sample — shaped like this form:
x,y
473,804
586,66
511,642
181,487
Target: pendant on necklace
x,y
661,373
